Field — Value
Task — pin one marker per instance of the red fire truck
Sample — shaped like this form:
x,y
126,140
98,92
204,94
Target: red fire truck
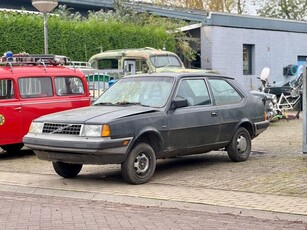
x,y
32,86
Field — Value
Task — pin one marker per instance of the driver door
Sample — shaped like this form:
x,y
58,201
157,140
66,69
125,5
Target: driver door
x,y
198,124
10,114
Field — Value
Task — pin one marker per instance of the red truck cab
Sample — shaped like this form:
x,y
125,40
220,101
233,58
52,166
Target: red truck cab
x,y
32,86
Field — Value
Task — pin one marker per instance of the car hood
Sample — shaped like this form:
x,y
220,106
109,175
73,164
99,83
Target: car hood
x,y
95,114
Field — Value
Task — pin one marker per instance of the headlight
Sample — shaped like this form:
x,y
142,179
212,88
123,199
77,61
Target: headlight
x,y
274,99
96,131
36,127
271,106
92,130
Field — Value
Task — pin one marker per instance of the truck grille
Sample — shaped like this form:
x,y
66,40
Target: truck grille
x,y
66,129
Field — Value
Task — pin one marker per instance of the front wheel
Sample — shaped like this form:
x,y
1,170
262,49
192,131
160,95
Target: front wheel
x,y
66,170
140,164
240,146
12,148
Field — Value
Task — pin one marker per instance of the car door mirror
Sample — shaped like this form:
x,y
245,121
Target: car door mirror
x,y
179,103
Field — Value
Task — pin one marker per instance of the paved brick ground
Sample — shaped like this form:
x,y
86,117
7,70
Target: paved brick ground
x,y
18,211
273,180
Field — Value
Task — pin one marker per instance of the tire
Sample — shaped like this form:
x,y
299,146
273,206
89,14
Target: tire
x,y
66,170
12,148
240,146
139,165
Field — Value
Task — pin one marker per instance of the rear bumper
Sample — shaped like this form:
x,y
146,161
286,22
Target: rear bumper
x,y
261,126
78,150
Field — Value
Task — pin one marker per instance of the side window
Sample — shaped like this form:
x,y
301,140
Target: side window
x,y
108,63
224,93
68,86
195,91
31,87
6,89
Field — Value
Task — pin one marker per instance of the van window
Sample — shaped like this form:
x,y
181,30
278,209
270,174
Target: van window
x,y
6,89
30,87
68,86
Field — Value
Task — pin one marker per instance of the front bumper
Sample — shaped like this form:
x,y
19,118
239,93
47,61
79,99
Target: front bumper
x,y
77,150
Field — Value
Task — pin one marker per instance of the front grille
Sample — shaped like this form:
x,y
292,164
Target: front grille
x,y
66,129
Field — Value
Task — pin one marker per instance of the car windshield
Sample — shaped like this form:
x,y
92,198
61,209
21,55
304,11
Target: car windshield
x,y
145,91
165,60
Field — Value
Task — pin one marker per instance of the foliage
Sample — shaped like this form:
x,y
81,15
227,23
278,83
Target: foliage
x,y
78,38
230,6
67,13
184,48
286,9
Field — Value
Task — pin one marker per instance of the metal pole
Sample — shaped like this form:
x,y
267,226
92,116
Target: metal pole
x,y
305,109
45,33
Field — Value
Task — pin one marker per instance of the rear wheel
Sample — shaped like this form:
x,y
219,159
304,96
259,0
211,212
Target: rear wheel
x,y
240,146
66,170
140,164
12,148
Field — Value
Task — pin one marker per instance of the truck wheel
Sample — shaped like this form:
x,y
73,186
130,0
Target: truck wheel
x,y
66,170
139,165
12,148
240,146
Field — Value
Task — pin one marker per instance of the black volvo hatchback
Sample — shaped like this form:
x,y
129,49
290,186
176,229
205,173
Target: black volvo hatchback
x,y
145,117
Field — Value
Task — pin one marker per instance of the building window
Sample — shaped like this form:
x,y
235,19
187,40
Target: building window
x,y
248,59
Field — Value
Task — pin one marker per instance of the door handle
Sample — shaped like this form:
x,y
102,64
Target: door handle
x,y
214,114
17,108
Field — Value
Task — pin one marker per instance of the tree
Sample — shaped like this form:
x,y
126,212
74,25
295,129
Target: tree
x,y
286,9
229,6
67,13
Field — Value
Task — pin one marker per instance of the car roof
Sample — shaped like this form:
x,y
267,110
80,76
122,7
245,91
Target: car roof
x,y
205,73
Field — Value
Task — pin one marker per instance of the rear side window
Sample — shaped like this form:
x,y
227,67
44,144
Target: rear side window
x,y
224,93
31,87
68,86
108,63
6,89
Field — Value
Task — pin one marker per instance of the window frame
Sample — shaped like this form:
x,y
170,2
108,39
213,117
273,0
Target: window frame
x,y
248,59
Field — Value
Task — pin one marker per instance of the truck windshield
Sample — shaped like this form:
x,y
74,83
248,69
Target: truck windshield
x,y
165,61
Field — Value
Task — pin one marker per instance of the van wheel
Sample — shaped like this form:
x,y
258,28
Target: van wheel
x,y
66,170
12,148
139,165
240,146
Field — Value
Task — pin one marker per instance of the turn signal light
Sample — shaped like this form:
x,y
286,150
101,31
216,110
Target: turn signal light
x,y
265,116
105,131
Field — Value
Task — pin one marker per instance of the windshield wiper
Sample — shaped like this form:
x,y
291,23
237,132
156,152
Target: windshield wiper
x,y
130,103
103,103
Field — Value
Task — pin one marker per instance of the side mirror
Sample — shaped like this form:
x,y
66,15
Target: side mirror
x,y
179,103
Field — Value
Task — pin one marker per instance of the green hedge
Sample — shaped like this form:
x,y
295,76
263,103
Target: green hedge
x,y
78,40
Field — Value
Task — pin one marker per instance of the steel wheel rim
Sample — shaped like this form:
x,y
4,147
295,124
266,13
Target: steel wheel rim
x,y
241,144
141,163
